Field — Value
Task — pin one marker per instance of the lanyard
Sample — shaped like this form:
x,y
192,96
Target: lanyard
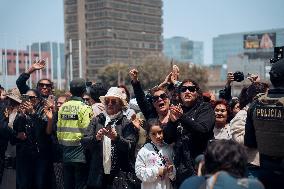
x,y
157,151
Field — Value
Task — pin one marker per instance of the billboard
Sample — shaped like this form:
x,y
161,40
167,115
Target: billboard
x,y
259,41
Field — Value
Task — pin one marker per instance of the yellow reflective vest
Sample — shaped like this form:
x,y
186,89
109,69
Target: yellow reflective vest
x,y
73,119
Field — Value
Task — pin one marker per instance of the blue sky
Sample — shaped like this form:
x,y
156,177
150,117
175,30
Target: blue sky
x,y
25,21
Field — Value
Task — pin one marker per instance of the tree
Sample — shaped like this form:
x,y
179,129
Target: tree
x,y
114,74
152,71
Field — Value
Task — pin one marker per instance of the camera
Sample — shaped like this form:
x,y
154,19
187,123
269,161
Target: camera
x,y
278,54
238,76
222,94
88,83
25,97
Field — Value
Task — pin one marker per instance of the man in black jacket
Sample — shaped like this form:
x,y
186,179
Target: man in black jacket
x,y
44,86
190,127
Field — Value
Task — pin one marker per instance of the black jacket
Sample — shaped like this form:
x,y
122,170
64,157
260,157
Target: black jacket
x,y
21,83
145,106
125,146
38,143
190,134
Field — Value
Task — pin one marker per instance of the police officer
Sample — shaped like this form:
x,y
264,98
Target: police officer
x,y
266,129
73,119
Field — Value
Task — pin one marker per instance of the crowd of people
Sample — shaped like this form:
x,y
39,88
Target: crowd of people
x,y
173,136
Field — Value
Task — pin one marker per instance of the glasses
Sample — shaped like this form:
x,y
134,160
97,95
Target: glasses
x,y
32,97
189,88
112,101
163,96
47,85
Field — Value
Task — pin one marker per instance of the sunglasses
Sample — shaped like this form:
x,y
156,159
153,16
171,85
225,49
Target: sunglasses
x,y
112,101
163,96
48,85
32,97
189,88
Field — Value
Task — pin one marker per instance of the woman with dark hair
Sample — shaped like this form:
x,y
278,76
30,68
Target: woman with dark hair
x,y
222,113
154,162
225,155
8,111
237,124
234,105
190,127
225,167
33,144
159,107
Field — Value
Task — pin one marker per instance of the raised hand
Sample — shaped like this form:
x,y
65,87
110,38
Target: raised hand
x,y
230,78
48,112
253,78
27,107
136,121
37,65
175,113
175,74
133,75
40,64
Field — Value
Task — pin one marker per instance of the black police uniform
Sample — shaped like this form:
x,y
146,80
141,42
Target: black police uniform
x,y
264,130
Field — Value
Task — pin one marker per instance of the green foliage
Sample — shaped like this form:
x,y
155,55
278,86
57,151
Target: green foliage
x,y
114,74
152,72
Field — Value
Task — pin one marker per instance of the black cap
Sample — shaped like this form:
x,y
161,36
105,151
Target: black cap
x,y
78,86
277,73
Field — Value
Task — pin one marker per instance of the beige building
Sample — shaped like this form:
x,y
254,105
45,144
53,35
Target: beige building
x,y
122,31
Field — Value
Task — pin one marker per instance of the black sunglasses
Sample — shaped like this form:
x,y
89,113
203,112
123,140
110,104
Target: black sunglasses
x,y
162,96
111,101
32,97
189,88
48,85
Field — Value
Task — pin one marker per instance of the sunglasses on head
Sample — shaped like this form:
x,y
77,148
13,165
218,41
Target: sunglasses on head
x,y
112,101
189,88
48,85
162,96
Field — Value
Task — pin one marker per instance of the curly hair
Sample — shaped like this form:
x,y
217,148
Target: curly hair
x,y
226,155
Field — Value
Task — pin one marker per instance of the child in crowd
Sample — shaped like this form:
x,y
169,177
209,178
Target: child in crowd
x,y
154,162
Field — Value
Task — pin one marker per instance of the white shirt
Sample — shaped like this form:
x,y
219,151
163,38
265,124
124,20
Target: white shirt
x,y
147,167
222,133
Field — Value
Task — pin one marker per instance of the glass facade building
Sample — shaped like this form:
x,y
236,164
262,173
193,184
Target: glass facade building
x,y
248,52
248,43
52,48
111,31
184,50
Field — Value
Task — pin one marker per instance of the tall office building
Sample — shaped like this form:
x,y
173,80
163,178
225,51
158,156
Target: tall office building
x,y
184,50
109,31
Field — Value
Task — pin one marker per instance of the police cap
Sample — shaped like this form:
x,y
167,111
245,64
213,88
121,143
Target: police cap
x,y
277,73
